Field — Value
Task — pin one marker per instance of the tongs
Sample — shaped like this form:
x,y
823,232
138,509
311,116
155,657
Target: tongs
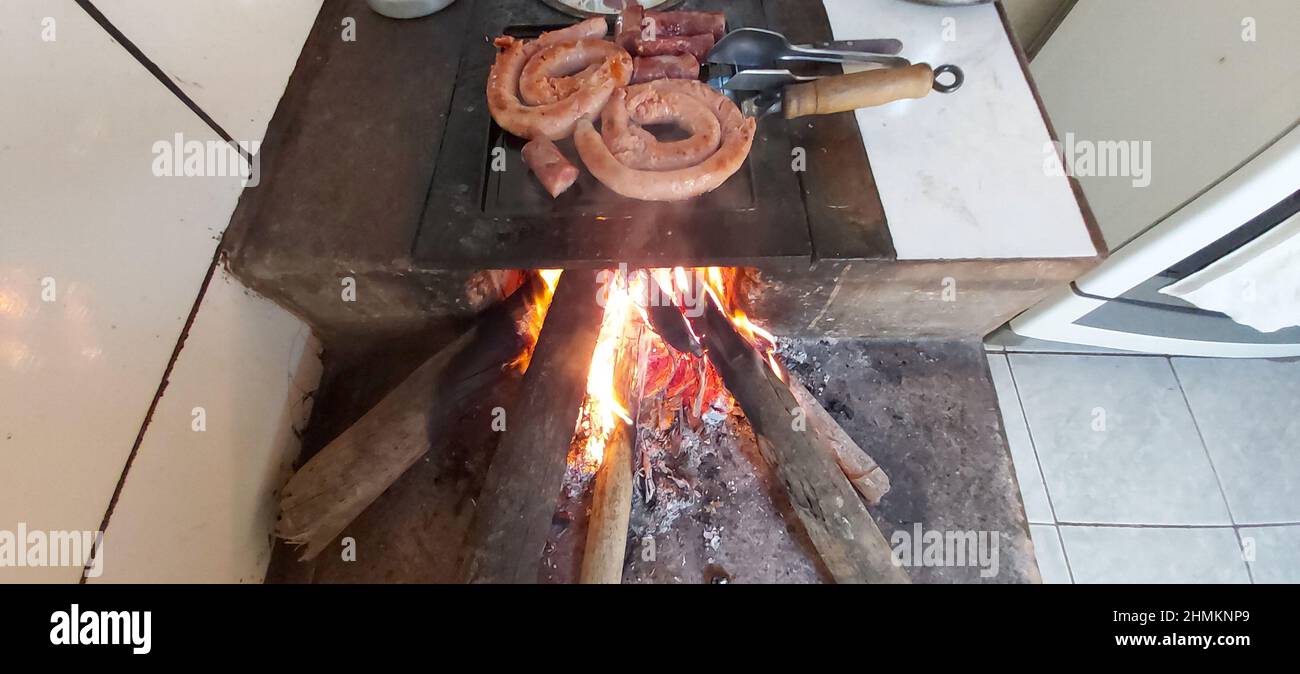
x,y
759,48
780,91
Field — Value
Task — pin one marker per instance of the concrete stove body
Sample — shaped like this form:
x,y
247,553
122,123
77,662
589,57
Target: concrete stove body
x,y
361,173
348,229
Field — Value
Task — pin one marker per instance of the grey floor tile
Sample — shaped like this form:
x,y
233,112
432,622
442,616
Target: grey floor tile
x,y
1248,412
1037,508
1154,555
1116,440
1276,553
1051,558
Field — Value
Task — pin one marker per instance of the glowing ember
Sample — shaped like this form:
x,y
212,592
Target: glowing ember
x,y
685,380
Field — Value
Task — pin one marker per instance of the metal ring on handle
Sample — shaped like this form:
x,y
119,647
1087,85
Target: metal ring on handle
x,y
957,78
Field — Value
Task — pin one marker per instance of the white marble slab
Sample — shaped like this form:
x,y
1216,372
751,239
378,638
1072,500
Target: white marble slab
x,y
961,175
231,57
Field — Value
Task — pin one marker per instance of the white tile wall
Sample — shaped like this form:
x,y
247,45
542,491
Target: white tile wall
x,y
197,504
231,57
125,250
100,265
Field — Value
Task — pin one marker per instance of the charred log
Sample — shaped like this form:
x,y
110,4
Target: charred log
x,y
862,471
803,457
606,544
514,512
349,473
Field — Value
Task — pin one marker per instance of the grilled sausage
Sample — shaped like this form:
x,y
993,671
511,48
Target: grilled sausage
x,y
553,120
545,77
672,24
695,45
627,29
552,168
637,148
647,68
681,183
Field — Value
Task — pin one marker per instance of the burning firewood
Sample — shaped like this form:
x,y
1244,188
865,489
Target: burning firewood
x,y
866,475
602,560
803,456
514,511
349,473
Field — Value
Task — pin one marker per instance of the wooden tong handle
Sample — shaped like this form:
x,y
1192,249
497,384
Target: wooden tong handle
x,y
841,93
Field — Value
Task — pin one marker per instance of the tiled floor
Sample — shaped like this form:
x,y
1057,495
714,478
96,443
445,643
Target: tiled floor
x,y
1139,469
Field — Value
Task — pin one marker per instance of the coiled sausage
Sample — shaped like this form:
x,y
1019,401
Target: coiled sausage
x,y
678,183
563,99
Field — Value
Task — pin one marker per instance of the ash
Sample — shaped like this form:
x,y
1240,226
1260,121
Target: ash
x,y
673,462
706,508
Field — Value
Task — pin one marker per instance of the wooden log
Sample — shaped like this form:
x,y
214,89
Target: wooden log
x,y
862,471
349,473
513,517
602,558
845,535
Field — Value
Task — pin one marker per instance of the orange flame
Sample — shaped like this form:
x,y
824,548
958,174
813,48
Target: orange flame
x,y
717,287
626,299
602,408
535,315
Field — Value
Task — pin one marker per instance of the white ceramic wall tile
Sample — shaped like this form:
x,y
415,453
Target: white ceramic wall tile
x,y
961,175
1116,441
1154,555
232,58
1037,508
1276,553
126,253
199,506
1248,412
1051,557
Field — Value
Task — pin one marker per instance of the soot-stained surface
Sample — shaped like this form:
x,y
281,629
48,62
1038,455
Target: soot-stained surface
x,y
926,411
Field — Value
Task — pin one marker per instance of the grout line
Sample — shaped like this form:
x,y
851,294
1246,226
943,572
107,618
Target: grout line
x,y
1032,444
159,74
1205,446
1061,541
153,406
1041,475
1241,548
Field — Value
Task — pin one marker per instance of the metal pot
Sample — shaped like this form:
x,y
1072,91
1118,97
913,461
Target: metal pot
x,y
407,9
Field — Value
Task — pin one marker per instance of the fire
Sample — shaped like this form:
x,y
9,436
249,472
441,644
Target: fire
x,y
538,305
672,374
602,408
717,288
551,277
